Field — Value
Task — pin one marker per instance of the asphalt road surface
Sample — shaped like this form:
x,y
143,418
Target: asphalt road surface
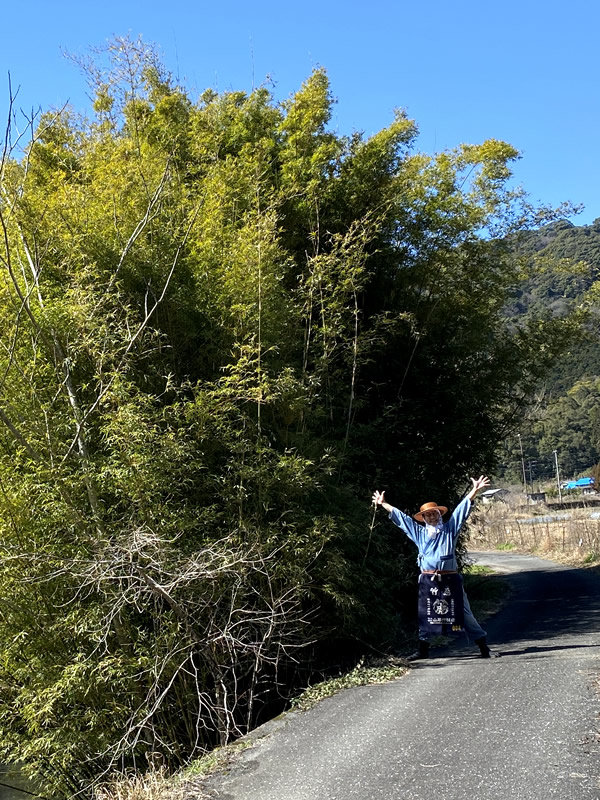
x,y
521,726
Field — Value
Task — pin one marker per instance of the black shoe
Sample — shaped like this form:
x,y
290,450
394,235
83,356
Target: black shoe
x,y
422,652
484,649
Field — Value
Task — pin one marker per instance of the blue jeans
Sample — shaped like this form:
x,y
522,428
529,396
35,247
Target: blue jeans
x,y
473,629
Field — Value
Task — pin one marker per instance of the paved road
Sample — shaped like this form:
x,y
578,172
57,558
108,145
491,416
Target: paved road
x,y
523,726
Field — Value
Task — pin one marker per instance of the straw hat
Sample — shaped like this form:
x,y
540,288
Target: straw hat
x,y
429,507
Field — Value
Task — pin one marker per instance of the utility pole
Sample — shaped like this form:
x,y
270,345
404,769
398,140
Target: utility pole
x,y
557,476
531,465
522,464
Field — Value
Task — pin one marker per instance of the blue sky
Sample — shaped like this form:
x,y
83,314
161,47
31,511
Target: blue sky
x,y
526,72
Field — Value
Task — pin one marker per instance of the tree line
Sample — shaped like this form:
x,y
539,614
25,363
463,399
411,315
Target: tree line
x,y
562,264
222,326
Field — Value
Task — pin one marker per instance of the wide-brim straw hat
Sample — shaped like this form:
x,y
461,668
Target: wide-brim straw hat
x,y
429,507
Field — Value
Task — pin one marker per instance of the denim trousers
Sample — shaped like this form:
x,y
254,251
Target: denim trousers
x,y
473,629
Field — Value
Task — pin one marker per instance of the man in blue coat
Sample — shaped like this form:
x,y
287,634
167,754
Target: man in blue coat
x,y
436,543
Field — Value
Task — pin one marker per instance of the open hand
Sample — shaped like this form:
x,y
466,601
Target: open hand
x,y
480,482
378,498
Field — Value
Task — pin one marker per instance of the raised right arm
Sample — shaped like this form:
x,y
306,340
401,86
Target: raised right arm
x,y
399,518
379,501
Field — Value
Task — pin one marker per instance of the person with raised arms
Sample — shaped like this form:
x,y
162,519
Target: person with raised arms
x,y
443,602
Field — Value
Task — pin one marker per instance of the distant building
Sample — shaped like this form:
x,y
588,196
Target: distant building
x,y
492,494
537,497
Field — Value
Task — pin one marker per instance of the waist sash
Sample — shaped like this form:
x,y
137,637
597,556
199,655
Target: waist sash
x,y
441,609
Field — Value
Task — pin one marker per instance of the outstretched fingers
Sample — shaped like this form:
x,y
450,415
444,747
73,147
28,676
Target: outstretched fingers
x,y
480,482
378,498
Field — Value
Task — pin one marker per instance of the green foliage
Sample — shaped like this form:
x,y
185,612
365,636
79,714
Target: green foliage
x,y
217,759
362,675
571,425
592,557
222,326
560,280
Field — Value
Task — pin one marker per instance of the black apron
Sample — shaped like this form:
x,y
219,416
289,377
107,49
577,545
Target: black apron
x,y
441,609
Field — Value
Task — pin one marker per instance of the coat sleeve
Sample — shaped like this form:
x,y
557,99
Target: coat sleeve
x,y
459,516
406,524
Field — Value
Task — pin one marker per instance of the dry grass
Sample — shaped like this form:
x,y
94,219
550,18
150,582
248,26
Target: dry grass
x,y
507,526
155,784
152,785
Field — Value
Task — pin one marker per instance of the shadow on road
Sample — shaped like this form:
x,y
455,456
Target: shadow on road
x,y
545,603
527,650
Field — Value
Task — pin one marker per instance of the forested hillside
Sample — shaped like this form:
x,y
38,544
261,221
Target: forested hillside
x,y
223,326
562,264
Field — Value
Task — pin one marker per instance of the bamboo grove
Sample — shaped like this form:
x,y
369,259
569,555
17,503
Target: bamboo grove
x,y
221,326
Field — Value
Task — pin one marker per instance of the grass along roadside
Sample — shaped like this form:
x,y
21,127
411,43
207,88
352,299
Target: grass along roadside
x,y
157,784
365,672
568,537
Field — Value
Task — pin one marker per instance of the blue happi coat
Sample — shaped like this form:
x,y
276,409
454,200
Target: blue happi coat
x,y
437,551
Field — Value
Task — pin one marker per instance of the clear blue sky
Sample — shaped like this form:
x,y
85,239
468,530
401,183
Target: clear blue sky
x,y
526,72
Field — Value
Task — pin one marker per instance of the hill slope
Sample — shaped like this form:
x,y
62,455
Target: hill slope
x,y
563,265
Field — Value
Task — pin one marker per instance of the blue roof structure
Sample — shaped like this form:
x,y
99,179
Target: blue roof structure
x,y
580,484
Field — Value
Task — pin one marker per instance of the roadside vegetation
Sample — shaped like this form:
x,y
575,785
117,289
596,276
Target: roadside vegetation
x,y
487,593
